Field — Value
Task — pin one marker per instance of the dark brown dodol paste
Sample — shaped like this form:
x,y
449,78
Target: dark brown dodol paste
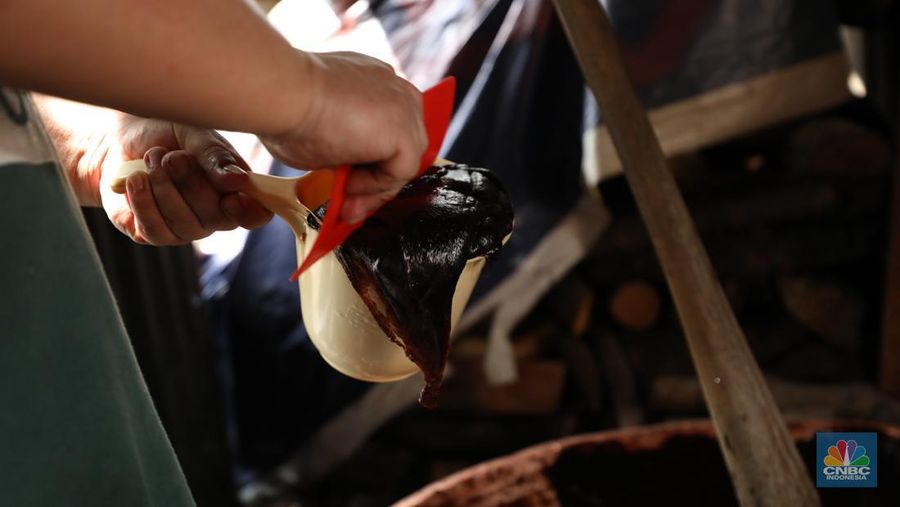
x,y
411,252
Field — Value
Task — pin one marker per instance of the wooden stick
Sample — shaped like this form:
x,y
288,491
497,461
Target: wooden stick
x,y
764,463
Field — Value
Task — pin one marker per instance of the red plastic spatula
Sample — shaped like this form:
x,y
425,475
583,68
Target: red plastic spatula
x,y
437,106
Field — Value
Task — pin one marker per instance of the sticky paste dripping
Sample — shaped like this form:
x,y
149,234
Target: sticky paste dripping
x,y
411,253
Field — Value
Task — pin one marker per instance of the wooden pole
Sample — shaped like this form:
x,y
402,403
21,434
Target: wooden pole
x,y
764,464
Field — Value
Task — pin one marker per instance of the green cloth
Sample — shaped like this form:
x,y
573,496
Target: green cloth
x,y
77,425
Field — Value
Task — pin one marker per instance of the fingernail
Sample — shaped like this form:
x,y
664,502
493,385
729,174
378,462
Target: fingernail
x,y
233,169
152,158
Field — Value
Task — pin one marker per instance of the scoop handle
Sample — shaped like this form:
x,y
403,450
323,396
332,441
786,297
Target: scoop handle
x,y
273,192
117,184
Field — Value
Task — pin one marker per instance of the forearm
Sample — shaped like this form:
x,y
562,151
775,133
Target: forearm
x,y
202,62
82,135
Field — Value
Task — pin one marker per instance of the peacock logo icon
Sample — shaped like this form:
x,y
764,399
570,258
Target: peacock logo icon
x,y
846,453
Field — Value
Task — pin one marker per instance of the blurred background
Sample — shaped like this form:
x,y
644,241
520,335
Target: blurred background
x,y
779,118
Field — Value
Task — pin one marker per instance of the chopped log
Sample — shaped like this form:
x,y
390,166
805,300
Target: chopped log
x,y
838,146
779,342
584,369
729,201
572,300
675,394
748,205
751,254
467,347
442,433
526,345
816,361
620,378
831,311
754,163
768,251
537,390
635,305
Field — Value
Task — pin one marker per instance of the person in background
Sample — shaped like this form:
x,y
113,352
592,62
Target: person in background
x,y
77,426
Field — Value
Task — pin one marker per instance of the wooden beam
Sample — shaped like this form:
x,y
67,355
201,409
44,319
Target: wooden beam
x,y
734,110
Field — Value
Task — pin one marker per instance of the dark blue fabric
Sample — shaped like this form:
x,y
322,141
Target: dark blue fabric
x,y
520,112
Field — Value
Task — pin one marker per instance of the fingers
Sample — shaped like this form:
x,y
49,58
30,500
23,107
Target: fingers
x,y
361,112
245,211
358,208
187,198
148,225
369,187
174,203
189,191
226,172
225,169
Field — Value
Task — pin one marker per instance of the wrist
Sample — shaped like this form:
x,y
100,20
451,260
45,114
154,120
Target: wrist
x,y
86,169
82,136
298,105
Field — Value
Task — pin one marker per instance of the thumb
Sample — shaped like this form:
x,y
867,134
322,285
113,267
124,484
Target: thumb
x,y
226,170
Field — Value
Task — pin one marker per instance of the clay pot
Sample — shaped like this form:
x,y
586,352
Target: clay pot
x,y
665,464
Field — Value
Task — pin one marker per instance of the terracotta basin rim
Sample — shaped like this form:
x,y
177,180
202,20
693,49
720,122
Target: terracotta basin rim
x,y
535,458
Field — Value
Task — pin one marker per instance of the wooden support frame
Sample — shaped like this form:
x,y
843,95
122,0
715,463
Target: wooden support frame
x,y
734,110
763,461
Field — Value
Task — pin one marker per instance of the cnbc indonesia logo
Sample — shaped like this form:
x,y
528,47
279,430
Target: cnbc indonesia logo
x,y
846,462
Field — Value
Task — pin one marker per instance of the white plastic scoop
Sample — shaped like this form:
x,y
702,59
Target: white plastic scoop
x,y
338,321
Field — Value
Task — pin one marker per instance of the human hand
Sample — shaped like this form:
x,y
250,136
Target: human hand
x,y
190,189
359,113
